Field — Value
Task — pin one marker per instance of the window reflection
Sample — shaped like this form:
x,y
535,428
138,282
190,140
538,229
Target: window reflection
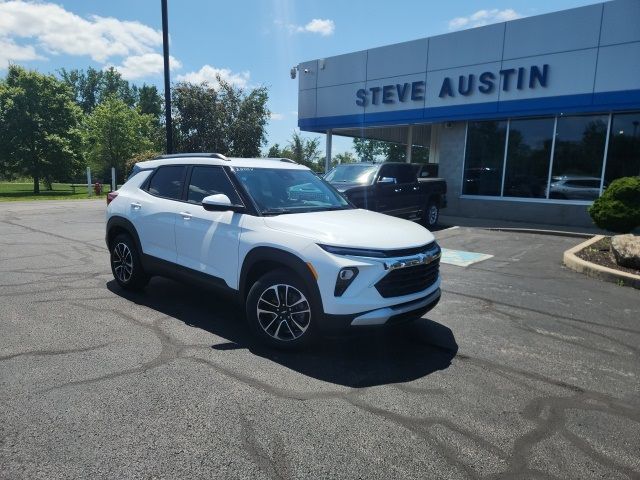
x,y
623,157
528,157
578,156
484,158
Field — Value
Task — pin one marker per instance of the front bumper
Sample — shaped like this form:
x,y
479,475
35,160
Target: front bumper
x,y
381,317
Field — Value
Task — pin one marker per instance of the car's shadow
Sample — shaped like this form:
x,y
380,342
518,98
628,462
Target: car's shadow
x,y
400,354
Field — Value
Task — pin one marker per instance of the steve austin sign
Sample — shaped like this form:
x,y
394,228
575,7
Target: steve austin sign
x,y
465,85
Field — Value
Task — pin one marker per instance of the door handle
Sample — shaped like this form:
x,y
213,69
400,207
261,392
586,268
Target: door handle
x,y
185,215
136,205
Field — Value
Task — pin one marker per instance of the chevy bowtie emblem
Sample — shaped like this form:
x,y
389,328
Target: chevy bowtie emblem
x,y
421,259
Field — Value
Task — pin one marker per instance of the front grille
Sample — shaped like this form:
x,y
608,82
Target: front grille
x,y
404,252
405,281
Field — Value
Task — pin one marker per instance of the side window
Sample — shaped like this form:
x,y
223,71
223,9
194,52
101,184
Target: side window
x,y
207,181
406,173
388,171
167,182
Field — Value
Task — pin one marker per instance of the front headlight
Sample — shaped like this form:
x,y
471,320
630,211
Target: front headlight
x,y
352,252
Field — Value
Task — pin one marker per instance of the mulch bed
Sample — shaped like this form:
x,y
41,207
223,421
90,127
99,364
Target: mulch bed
x,y
600,253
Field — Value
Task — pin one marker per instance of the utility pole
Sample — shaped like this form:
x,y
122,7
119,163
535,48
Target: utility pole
x,y
167,83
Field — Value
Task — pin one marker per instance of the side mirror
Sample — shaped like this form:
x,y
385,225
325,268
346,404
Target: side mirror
x,y
386,180
219,203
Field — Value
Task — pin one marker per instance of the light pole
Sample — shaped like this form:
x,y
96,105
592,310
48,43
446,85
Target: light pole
x,y
167,83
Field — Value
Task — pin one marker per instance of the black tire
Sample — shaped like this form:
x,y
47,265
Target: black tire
x,y
126,264
431,215
291,328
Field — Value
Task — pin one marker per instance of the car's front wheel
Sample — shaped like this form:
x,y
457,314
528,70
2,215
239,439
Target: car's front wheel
x,y
126,265
281,311
431,215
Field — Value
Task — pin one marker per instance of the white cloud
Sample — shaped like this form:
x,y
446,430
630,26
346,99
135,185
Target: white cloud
x,y
58,31
12,52
145,65
483,17
209,75
324,27
277,116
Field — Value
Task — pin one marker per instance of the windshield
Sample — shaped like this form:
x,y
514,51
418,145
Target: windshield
x,y
362,174
277,191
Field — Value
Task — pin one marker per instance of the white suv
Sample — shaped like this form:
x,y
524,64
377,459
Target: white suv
x,y
278,238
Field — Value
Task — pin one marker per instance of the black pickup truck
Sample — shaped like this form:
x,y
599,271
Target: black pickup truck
x,y
399,189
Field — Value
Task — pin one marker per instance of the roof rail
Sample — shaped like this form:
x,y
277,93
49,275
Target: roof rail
x,y
287,160
187,155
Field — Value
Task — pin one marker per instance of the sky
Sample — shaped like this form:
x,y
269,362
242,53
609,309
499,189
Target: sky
x,y
248,42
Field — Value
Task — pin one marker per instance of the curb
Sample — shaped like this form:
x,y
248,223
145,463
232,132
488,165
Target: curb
x,y
558,233
572,261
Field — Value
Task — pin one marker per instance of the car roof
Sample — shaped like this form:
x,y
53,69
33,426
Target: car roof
x,y
213,159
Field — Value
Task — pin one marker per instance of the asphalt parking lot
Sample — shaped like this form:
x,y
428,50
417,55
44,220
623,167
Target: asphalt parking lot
x,y
524,370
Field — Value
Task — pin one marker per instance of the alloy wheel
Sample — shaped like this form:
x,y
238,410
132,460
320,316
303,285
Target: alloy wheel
x,y
283,312
433,214
122,262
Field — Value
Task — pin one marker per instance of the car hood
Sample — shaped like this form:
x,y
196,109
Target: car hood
x,y
343,187
355,228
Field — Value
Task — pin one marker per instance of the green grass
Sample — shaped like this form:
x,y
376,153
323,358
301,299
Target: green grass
x,y
18,191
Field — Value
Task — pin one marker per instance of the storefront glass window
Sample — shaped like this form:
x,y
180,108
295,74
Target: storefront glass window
x,y
578,157
528,157
623,157
484,158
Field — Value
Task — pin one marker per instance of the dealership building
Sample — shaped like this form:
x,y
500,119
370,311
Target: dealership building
x,y
527,120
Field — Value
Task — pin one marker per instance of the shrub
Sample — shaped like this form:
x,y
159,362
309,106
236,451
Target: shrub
x,y
618,209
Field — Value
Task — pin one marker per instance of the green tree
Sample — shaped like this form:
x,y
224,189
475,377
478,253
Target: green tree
x,y
368,150
306,151
113,85
379,150
150,101
39,127
93,86
344,157
114,133
276,152
225,119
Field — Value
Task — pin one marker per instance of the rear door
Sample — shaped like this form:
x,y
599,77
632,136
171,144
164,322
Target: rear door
x,y
208,241
153,211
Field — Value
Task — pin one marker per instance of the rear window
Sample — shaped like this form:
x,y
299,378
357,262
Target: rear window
x,y
167,182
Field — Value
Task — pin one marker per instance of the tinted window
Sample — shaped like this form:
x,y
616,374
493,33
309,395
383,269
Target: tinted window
x,y
528,157
388,171
167,182
397,172
484,158
207,181
579,151
406,173
623,157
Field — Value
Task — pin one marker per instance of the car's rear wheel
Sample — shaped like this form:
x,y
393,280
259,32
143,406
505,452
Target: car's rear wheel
x,y
431,215
126,266
281,311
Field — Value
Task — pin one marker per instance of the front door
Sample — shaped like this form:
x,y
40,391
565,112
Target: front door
x,y
207,242
391,191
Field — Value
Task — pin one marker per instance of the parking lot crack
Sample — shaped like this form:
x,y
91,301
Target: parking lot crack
x,y
275,466
45,353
